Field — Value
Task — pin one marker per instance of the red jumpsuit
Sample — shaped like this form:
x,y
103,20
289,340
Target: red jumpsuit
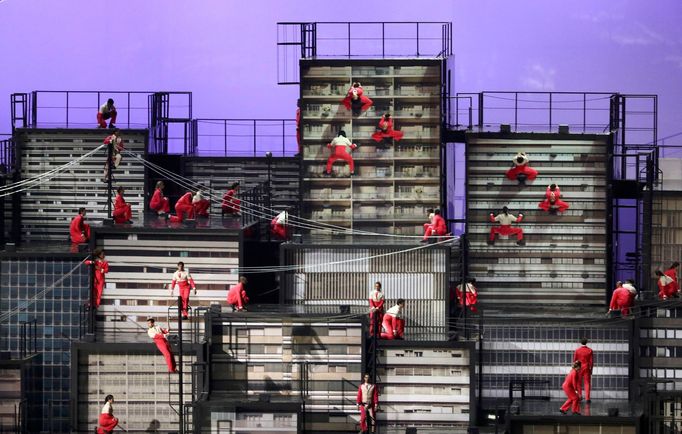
x,y
159,336
201,205
123,211
182,206
393,326
471,296
298,128
236,296
553,199
505,227
436,227
666,287
107,422
367,399
621,300
279,227
521,168
376,308
79,230
387,131
101,268
341,148
185,283
570,386
584,354
356,100
231,204
105,113
159,203
672,273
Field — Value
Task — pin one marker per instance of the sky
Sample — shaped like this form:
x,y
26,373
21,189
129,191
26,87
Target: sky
x,y
225,51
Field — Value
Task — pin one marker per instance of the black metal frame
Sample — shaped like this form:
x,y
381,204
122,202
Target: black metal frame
x,y
256,134
307,35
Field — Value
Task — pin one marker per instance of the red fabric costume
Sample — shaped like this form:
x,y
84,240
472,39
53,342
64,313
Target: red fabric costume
x,y
553,199
185,283
101,268
387,131
621,300
393,325
107,422
79,230
666,287
367,400
672,273
437,227
570,386
505,227
471,296
159,336
123,211
231,204
521,168
584,354
105,112
376,308
279,227
159,203
200,205
341,148
183,206
356,100
236,296
298,128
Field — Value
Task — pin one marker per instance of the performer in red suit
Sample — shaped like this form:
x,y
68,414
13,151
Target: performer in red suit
x,y
666,285
298,124
183,206
437,227
279,226
341,148
123,211
356,100
505,228
115,139
385,132
393,325
107,111
101,267
231,205
520,170
107,422
185,283
236,296
570,386
201,205
672,273
376,308
621,300
584,355
159,335
471,295
159,202
367,399
78,229
553,202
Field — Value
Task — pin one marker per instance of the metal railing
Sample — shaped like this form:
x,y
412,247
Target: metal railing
x,y
7,160
244,137
343,39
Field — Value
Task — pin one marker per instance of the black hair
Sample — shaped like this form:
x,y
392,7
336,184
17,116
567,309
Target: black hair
x,y
116,131
152,320
436,211
401,301
234,185
519,159
119,190
110,101
429,210
674,264
387,115
583,341
378,283
658,273
552,187
577,364
356,84
342,133
630,281
81,210
471,280
98,251
108,398
505,209
243,280
183,265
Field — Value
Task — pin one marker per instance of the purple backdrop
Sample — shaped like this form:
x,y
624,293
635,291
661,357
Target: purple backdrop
x,y
225,53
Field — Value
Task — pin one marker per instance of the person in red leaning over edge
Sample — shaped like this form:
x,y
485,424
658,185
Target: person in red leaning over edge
x,y
570,387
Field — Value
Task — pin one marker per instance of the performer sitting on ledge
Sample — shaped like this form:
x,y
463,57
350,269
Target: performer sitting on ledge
x,y
123,211
437,227
520,170
553,202
505,228
231,205
79,230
